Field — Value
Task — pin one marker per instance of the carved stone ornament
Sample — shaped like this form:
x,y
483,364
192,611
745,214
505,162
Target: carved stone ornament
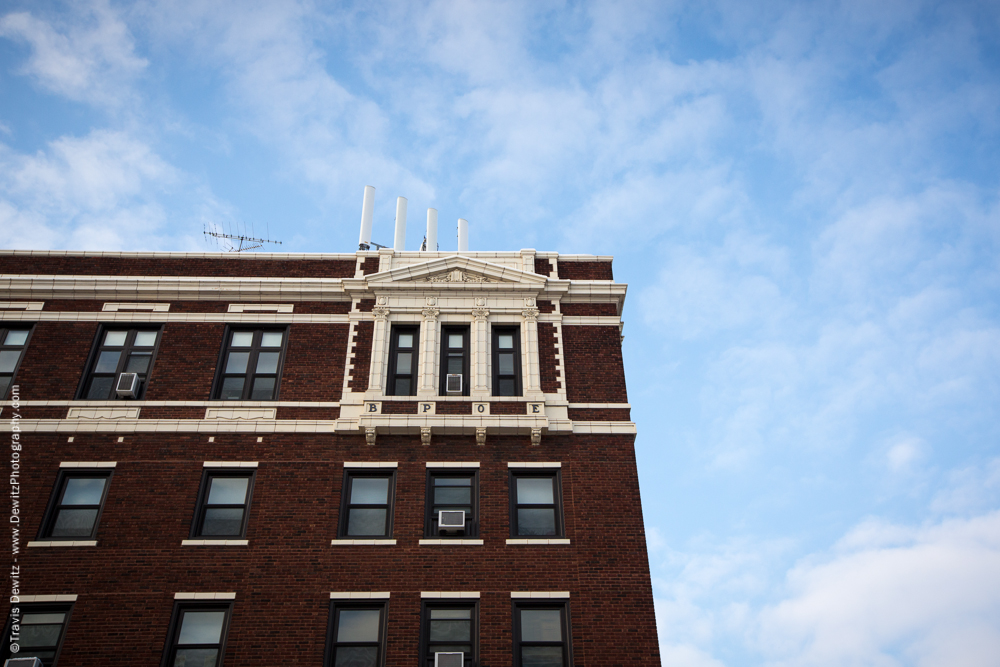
x,y
380,312
370,435
480,436
529,302
430,314
459,276
382,300
536,436
530,314
480,314
481,301
432,301
425,435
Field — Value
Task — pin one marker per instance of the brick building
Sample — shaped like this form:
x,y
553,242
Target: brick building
x,y
352,459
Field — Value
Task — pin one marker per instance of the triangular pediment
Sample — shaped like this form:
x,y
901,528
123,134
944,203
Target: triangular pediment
x,y
456,269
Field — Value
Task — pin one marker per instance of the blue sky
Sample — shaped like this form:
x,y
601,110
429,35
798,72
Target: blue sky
x,y
803,198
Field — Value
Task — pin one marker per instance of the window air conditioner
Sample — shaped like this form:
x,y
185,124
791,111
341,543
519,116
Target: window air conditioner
x,y
128,385
451,519
449,659
35,662
453,383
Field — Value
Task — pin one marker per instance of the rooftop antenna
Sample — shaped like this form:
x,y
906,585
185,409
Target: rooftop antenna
x,y
237,242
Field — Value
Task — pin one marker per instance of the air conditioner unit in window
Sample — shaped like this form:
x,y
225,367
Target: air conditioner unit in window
x,y
453,383
451,519
449,659
128,385
34,662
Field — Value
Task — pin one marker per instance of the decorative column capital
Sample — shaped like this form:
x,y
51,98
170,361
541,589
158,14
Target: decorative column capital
x,y
430,314
381,313
530,314
480,314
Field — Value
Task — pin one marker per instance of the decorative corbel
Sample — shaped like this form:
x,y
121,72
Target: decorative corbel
x,y
480,436
425,435
536,436
370,435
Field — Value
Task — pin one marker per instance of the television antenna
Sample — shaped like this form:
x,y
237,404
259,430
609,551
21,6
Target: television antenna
x,y
241,241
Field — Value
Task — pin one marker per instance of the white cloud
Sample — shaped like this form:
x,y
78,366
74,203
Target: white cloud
x,y
933,600
88,56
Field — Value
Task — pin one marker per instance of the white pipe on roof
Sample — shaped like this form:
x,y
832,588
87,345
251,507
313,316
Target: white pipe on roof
x,y
367,206
432,229
400,241
463,235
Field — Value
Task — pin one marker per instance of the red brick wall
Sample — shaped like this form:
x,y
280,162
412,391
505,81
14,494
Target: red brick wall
x,y
244,266
185,363
594,369
543,266
585,270
508,408
303,307
362,348
399,407
369,265
283,578
55,360
547,365
600,414
453,408
589,309
314,362
545,306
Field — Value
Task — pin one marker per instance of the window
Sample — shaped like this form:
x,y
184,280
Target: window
x,y
454,361
535,504
41,629
13,340
250,369
506,361
356,634
449,627
197,635
119,351
223,504
541,634
366,505
403,361
75,508
451,491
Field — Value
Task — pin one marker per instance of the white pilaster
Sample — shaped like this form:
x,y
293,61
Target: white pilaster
x,y
529,338
480,348
428,350
380,341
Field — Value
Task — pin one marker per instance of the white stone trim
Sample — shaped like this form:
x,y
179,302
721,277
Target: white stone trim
x,y
229,464
116,306
63,543
455,464
449,595
204,596
543,595
180,404
590,321
371,464
538,541
88,464
453,542
160,318
47,598
22,305
362,543
215,543
261,307
374,595
534,464
102,413
605,428
240,413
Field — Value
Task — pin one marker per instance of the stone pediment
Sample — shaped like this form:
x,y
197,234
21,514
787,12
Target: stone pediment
x,y
455,270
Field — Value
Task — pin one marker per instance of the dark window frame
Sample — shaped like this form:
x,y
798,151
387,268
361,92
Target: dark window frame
x,y
556,475
5,328
567,642
426,657
497,331
54,505
466,332
430,516
174,629
394,332
330,651
128,348
37,608
345,502
197,524
254,351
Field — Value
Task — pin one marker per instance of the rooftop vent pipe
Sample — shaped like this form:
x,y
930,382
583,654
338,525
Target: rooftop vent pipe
x,y
432,229
367,207
463,235
399,243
